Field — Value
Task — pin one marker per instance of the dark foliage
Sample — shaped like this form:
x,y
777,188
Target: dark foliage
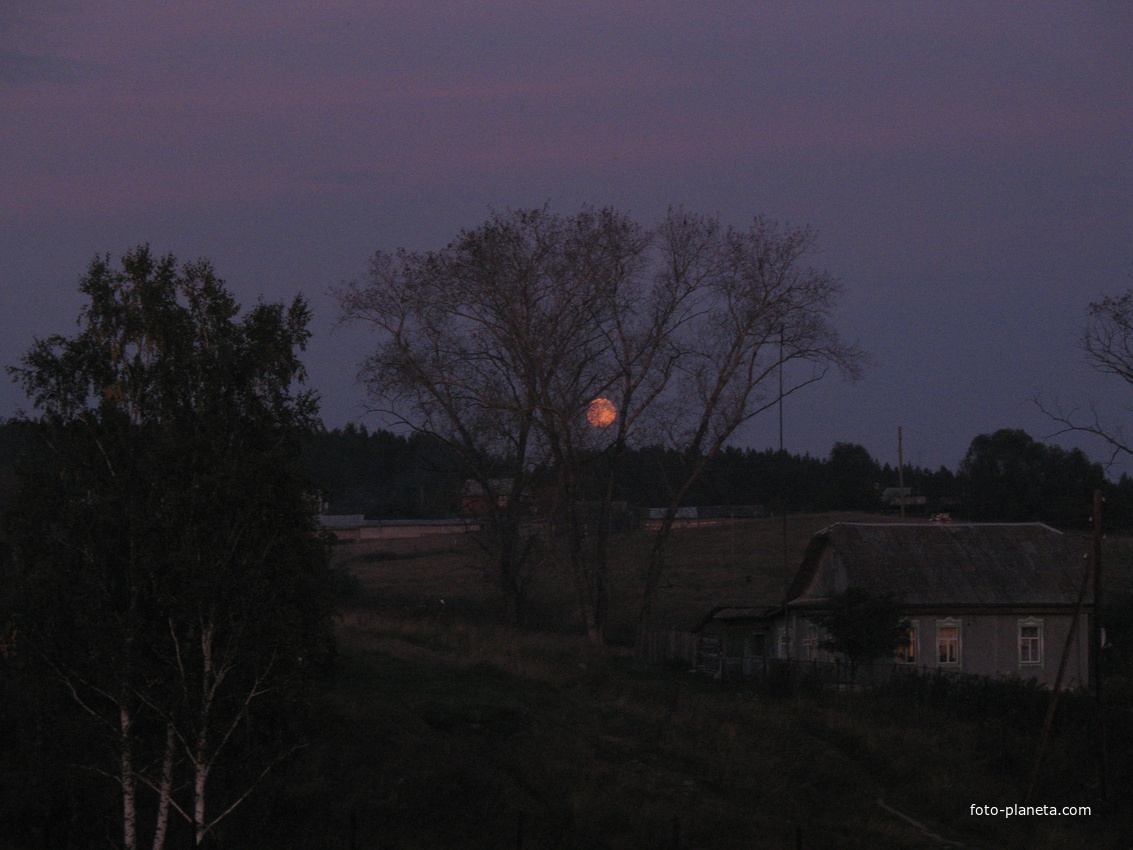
x,y
863,626
383,475
166,591
1009,477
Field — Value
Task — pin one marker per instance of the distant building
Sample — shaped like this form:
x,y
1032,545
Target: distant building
x,y
354,527
894,497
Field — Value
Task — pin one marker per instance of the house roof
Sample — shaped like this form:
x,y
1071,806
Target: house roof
x,y
732,614
994,564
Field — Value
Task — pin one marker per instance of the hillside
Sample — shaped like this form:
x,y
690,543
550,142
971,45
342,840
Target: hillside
x,y
446,729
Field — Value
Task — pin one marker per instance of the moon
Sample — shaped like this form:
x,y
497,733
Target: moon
x,y
601,413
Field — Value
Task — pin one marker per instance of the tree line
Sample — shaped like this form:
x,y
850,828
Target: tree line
x,y
1006,476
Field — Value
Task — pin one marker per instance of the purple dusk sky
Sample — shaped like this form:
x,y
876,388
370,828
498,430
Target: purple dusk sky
x,y
968,166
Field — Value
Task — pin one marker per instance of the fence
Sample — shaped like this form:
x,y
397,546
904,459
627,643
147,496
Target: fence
x,y
704,652
827,673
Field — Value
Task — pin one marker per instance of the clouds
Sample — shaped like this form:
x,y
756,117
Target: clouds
x,y
303,89
972,148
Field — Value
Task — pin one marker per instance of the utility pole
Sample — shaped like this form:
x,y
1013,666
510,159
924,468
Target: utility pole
x,y
1091,580
1096,644
783,476
788,623
901,471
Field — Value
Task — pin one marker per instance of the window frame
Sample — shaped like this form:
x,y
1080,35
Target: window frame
x,y
1036,647
810,642
958,640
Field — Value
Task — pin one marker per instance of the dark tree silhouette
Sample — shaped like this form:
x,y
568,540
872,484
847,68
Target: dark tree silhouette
x,y
167,571
862,626
498,343
1010,477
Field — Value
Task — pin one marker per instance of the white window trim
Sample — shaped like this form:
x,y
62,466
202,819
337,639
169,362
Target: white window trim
x,y
1029,622
902,656
950,623
810,642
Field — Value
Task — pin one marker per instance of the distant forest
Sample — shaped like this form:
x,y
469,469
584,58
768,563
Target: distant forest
x,y
1005,477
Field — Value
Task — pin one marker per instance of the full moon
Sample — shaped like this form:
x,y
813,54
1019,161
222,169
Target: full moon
x,y
601,413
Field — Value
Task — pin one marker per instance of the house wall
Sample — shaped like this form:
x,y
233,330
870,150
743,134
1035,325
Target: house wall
x,y
989,644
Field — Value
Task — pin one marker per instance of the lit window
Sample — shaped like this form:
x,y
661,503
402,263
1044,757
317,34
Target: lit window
x,y
1030,642
907,654
948,641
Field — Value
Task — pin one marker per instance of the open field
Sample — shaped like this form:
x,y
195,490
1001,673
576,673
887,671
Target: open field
x,y
445,728
737,562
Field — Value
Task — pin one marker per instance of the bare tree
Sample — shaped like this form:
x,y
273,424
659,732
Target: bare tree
x,y
759,306
1107,341
493,346
498,344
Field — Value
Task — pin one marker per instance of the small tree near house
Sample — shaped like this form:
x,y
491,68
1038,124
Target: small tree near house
x,y
863,626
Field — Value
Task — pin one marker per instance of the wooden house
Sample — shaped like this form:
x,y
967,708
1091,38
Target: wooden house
x,y
993,599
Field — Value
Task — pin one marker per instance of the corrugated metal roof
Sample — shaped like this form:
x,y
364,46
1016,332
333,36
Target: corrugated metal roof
x,y
947,563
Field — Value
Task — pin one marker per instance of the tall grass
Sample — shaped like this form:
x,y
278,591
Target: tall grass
x,y
439,732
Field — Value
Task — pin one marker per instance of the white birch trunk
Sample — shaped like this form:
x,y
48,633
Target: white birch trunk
x,y
200,780
129,781
165,789
200,754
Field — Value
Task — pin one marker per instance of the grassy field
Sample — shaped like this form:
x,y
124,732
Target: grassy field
x,y
444,728
437,733
741,562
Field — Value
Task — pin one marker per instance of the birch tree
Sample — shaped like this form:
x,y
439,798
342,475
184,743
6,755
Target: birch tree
x,y
167,568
